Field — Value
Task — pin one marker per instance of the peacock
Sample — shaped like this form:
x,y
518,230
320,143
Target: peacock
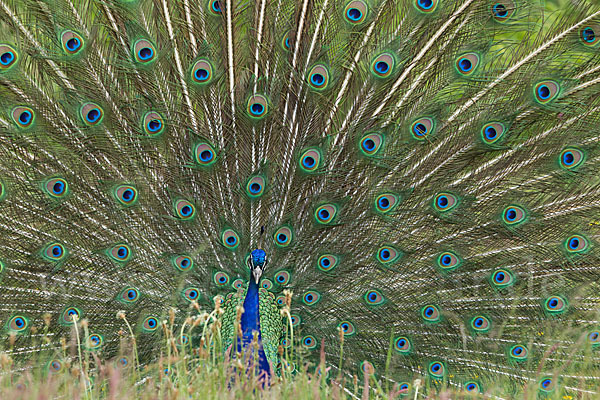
x,y
405,188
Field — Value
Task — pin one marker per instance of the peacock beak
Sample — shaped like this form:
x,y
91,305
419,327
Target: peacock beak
x,y
257,272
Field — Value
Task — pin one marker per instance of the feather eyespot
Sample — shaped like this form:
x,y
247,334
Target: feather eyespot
x,y
480,324
285,42
216,7
295,320
555,304
422,128
310,160
255,187
444,202
355,12
309,342
129,295
23,116
8,57
467,63
266,284
327,262
386,202
191,294
18,324
588,34
285,343
547,384
282,277
91,114
127,195
448,261
153,124
403,388
502,278
546,91
437,369
220,278
56,187
371,144
518,352
431,313
402,345
202,72
388,255
318,77
383,65
230,239
280,300
204,154
374,297
69,315
144,52
366,367
492,132
55,366
514,215
123,362
311,297
325,214
94,342
594,338
472,387
576,244
257,106
238,284
150,324
72,42
503,10
184,209
571,158
182,263
426,6
54,252
183,340
120,253
347,328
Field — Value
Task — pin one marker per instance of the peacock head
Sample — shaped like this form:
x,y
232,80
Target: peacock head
x,y
257,263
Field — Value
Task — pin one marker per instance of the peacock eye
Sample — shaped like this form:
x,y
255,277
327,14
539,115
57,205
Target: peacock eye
x,y
444,202
371,144
8,57
202,72
383,65
355,12
518,353
221,278
318,77
402,345
23,116
309,342
283,236
546,91
374,297
191,294
347,328
576,244
467,64
283,277
448,261
311,297
230,239
502,278
555,304
431,313
144,51
589,35
184,209
437,369
422,128
257,107
480,324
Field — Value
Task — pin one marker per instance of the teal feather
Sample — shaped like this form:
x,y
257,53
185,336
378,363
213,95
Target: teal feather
x,y
422,175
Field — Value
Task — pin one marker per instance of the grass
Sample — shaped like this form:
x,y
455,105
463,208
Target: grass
x,y
203,372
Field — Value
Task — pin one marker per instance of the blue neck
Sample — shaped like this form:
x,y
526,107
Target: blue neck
x,y
251,315
251,323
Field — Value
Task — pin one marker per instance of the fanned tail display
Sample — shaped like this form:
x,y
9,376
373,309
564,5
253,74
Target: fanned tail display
x,y
412,182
